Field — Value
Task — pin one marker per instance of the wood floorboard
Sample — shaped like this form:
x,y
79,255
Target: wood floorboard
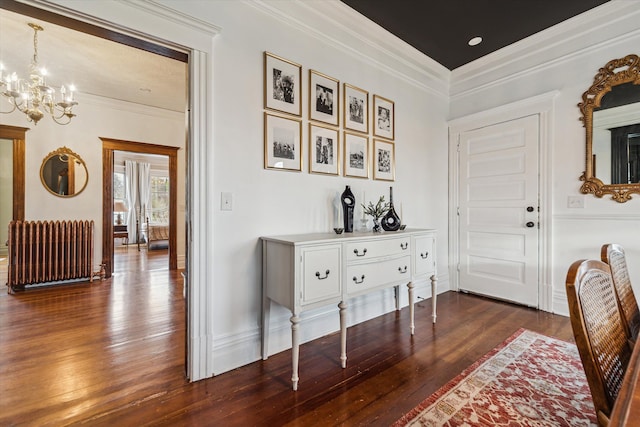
x,y
112,353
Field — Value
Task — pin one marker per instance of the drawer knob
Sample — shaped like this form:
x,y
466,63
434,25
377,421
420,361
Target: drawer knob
x,y
364,252
402,270
355,279
404,246
424,255
326,274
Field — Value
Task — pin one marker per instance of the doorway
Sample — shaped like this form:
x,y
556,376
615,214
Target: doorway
x,y
542,108
141,212
498,211
109,146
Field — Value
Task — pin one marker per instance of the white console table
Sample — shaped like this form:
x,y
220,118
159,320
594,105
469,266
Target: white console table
x,y
306,271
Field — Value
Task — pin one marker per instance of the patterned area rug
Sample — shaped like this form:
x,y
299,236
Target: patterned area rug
x,y
529,380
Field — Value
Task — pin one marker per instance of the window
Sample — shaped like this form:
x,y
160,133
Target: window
x,y
159,200
118,192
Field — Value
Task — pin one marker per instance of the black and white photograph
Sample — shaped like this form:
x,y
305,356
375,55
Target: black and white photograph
x,y
384,117
323,150
384,160
282,143
356,155
282,85
356,108
324,96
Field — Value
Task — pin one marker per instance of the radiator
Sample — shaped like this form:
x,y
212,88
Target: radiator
x,y
49,251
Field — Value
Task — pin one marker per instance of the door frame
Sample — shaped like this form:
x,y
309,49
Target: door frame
x,y
18,135
108,147
543,106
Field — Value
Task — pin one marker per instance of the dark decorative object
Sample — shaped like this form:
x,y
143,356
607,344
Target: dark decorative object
x,y
391,220
348,205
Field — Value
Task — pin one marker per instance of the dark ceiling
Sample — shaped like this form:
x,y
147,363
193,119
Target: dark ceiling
x,y
441,28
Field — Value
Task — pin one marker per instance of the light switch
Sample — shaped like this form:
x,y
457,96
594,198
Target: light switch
x,y
226,201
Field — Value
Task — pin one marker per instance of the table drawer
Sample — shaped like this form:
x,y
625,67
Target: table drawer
x,y
321,274
378,248
424,255
362,277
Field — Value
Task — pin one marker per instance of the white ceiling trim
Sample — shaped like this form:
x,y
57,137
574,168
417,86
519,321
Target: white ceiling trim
x,y
171,21
155,8
369,42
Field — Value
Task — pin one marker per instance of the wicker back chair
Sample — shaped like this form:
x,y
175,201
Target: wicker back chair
x,y
599,332
613,254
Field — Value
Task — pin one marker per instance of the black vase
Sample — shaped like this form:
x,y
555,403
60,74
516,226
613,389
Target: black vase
x,y
348,205
391,220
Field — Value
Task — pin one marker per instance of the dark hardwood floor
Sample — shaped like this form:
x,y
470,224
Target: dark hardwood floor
x,y
111,353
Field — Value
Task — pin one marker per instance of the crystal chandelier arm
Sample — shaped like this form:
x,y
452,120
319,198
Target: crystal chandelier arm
x,y
30,95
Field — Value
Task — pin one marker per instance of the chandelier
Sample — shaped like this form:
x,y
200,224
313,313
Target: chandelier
x,y
32,96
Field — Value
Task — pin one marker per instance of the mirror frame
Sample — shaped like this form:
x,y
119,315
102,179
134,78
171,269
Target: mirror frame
x,y
616,72
63,151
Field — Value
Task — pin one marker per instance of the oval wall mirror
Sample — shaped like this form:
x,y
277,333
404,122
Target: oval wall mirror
x,y
611,115
64,173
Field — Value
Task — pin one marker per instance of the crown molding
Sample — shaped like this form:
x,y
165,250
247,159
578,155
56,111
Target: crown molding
x,y
334,23
173,15
120,16
595,29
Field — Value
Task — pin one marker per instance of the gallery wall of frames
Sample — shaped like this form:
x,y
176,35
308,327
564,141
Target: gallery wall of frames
x,y
346,134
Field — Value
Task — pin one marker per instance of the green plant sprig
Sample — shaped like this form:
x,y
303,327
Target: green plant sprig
x,y
377,210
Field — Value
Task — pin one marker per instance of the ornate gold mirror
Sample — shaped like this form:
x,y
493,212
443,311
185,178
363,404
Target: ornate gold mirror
x,y
64,173
611,116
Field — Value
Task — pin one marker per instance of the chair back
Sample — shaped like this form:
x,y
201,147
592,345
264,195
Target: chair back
x,y
613,254
599,332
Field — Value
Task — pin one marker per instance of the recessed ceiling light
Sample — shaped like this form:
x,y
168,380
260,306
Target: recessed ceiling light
x,y
475,41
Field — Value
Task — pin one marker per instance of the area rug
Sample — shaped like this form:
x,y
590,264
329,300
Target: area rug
x,y
529,380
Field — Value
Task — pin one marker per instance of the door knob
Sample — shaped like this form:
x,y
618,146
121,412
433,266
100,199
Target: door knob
x,y
530,209
530,224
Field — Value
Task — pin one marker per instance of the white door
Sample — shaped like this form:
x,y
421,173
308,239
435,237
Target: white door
x,y
498,211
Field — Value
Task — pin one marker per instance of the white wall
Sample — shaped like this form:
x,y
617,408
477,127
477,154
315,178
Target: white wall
x,y
548,63
95,118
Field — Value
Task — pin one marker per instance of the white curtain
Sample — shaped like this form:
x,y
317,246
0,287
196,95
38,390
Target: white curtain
x,y
131,193
144,189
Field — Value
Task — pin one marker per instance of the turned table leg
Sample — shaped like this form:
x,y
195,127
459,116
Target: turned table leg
x,y
434,296
295,350
343,333
412,326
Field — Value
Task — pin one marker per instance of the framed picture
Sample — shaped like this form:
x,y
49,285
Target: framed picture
x,y
282,82
356,108
324,150
324,97
282,143
383,117
356,155
384,160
